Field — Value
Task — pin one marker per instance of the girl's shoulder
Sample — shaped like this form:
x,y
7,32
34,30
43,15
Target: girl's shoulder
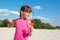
x,y
18,19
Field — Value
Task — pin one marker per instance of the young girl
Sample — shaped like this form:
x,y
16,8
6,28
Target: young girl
x,y
24,27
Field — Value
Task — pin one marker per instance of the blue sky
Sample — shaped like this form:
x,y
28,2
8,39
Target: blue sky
x,y
46,10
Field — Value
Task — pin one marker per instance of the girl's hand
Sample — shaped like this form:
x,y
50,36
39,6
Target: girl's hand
x,y
30,28
31,24
11,23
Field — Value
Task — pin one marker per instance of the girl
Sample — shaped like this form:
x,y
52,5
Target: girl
x,y
24,27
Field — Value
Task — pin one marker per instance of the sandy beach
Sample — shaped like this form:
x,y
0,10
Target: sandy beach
x,y
38,34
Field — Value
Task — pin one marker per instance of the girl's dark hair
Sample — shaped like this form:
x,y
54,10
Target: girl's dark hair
x,y
25,8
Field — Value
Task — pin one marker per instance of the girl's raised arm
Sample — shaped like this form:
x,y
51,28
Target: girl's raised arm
x,y
30,27
11,23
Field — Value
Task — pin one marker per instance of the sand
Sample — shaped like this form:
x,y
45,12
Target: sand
x,y
38,34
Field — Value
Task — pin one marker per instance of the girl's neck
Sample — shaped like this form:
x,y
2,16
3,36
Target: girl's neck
x,y
22,18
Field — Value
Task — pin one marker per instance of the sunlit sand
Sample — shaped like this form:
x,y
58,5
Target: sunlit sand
x,y
38,34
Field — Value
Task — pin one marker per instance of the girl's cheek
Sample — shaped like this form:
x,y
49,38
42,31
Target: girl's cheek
x,y
28,15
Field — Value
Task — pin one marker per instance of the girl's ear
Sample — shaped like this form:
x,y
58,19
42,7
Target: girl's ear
x,y
21,12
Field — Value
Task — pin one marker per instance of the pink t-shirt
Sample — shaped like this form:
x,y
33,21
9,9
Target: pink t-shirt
x,y
21,32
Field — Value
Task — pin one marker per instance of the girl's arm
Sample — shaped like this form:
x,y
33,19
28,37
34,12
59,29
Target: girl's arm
x,y
30,26
11,23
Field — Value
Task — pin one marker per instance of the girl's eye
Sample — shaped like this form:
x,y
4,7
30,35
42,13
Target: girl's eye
x,y
26,10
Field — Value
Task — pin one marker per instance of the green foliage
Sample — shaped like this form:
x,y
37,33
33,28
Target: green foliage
x,y
37,24
57,26
3,23
48,26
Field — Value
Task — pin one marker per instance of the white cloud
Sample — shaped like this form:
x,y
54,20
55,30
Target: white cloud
x,y
0,18
43,18
37,7
14,12
5,12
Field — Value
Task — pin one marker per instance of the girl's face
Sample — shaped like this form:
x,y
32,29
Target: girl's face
x,y
25,14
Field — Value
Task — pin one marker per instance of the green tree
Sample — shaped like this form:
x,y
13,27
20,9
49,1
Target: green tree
x,y
43,25
58,27
1,23
37,23
48,26
5,22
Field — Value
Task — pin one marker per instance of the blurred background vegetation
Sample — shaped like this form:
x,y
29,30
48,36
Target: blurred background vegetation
x,y
38,24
